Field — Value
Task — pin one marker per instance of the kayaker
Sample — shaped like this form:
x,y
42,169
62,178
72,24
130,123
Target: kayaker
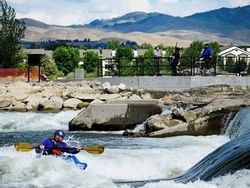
x,y
56,145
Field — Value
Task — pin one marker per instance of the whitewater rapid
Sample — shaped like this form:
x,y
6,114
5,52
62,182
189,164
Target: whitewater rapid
x,y
124,158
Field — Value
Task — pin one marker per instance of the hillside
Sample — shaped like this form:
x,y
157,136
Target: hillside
x,y
223,25
224,22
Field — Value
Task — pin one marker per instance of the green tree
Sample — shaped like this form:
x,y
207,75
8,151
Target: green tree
x,y
161,46
113,44
49,68
66,59
123,57
146,46
191,53
216,50
91,60
11,32
148,68
194,49
169,51
21,60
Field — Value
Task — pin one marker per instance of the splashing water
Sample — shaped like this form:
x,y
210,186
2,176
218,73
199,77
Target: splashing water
x,y
124,158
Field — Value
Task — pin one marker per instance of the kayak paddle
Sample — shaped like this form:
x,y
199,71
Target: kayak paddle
x,y
93,149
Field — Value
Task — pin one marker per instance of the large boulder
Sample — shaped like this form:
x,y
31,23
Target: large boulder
x,y
114,116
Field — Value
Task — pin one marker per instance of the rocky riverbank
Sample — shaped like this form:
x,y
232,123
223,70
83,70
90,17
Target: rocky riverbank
x,y
56,96
200,111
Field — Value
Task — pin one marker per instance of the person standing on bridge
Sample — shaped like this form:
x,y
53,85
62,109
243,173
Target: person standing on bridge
x,y
157,56
175,58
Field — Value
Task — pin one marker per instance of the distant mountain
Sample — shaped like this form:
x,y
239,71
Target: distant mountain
x,y
238,17
225,22
224,25
34,23
127,18
135,21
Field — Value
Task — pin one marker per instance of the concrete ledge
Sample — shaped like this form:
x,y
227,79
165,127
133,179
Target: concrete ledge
x,y
177,83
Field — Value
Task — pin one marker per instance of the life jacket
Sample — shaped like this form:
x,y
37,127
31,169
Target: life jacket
x,y
54,150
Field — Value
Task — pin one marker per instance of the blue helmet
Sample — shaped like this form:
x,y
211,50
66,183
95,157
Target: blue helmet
x,y
60,133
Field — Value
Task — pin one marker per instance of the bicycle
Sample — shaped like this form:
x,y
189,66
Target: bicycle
x,y
201,66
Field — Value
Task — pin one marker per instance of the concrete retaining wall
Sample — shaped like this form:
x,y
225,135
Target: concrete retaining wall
x,y
176,83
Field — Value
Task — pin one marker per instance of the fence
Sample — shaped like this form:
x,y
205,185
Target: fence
x,y
188,66
20,73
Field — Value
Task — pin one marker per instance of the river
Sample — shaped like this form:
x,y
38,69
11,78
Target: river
x,y
124,158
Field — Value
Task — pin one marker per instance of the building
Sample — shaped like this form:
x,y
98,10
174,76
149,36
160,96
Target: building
x,y
234,53
236,59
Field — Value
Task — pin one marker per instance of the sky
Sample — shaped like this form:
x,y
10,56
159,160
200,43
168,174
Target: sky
x,y
68,12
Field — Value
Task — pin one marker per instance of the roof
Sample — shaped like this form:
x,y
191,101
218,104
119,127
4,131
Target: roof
x,y
106,53
38,51
234,50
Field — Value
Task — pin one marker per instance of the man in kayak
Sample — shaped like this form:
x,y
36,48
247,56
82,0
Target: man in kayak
x,y
56,146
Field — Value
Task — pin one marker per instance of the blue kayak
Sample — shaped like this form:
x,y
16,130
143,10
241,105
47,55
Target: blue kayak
x,y
73,159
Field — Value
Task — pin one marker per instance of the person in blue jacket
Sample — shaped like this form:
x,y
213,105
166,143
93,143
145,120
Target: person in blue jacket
x,y
206,55
56,145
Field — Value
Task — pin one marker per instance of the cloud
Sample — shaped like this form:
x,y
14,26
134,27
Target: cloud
x,y
141,5
41,16
168,1
20,2
67,12
17,1
239,2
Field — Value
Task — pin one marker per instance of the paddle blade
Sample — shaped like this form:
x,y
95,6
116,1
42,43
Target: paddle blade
x,y
94,149
23,147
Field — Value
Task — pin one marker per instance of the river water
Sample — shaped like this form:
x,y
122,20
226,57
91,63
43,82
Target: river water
x,y
124,158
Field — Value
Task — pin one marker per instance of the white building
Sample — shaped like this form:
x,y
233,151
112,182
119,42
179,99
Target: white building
x,y
236,54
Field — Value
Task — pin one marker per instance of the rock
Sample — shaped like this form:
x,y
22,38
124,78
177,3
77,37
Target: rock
x,y
33,102
113,116
52,104
168,100
87,97
205,120
122,87
72,103
113,89
146,96
6,100
19,107
128,132
179,129
82,105
107,97
106,86
22,87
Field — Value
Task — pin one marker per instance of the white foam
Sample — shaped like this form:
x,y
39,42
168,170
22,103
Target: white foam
x,y
31,121
24,169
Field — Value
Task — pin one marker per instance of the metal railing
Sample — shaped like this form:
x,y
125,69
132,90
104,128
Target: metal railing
x,y
188,66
